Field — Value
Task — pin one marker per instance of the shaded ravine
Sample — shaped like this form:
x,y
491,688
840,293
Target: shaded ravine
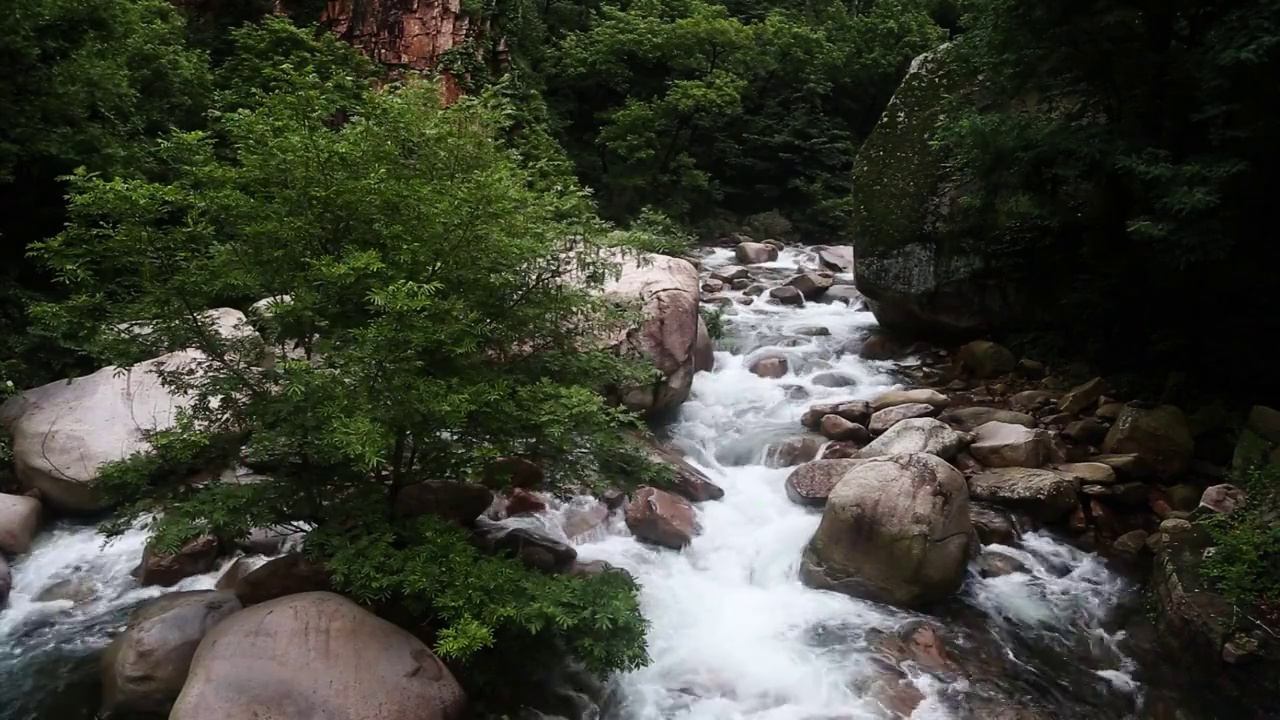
x,y
733,632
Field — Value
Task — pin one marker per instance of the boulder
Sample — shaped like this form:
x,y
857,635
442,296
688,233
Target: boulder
x,y
661,518
64,432
876,346
704,351
196,557
836,258
288,574
918,435
774,366
1043,494
811,284
992,563
1126,465
1083,396
315,656
76,590
268,540
144,668
1258,441
19,521
666,289
895,530
1131,543
525,540
985,359
754,290
1159,436
1031,400
460,502
834,427
811,483
787,295
1028,368
833,380
1221,499
1090,473
1087,431
712,286
904,397
6,581
688,481
998,444
993,525
754,253
967,419
792,451
525,502
884,419
729,273
1183,497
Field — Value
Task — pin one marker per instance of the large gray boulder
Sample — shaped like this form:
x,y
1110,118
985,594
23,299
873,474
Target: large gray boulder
x,y
19,521
144,668
967,419
64,432
1159,436
917,435
666,289
315,656
1043,494
998,444
895,530
811,483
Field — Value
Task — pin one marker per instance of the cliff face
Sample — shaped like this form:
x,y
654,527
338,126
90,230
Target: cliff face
x,y
402,34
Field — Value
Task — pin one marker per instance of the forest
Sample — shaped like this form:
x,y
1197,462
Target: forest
x,y
1112,162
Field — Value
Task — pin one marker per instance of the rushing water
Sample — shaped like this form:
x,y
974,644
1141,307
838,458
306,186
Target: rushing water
x,y
734,633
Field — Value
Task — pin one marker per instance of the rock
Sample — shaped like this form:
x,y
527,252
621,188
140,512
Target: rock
x,y
787,295
985,359
1031,400
1044,494
967,419
1086,432
1159,436
689,482
833,380
754,290
1108,411
196,557
1083,396
268,540
997,564
524,502
661,518
712,286
19,521
527,542
1131,543
614,499
1259,440
994,525
1221,499
1175,526
1183,497
792,451
1028,368
836,258
811,483
729,273
311,656
6,581
1126,465
877,346
813,331
76,590
903,397
998,445
834,427
144,668
460,502
704,351
769,367
918,435
1092,473
895,530
64,432
288,574
888,417
811,284
754,253
742,284
582,522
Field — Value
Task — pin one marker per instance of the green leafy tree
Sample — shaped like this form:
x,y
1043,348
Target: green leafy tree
x,y
441,316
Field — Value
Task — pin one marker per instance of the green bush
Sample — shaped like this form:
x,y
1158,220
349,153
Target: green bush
x,y
1245,562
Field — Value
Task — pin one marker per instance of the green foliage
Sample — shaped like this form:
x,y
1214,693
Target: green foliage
x,y
1120,151
441,315
714,320
698,109
1245,562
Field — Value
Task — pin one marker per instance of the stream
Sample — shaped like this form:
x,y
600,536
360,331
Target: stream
x,y
734,634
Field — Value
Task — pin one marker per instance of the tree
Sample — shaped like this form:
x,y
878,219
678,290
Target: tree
x,y
441,316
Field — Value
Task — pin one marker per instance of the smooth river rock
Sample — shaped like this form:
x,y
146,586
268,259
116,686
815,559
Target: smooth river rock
x,y
6,581
895,530
19,521
315,656
144,668
811,483
661,518
998,444
1044,494
884,419
1159,436
967,419
903,397
918,435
